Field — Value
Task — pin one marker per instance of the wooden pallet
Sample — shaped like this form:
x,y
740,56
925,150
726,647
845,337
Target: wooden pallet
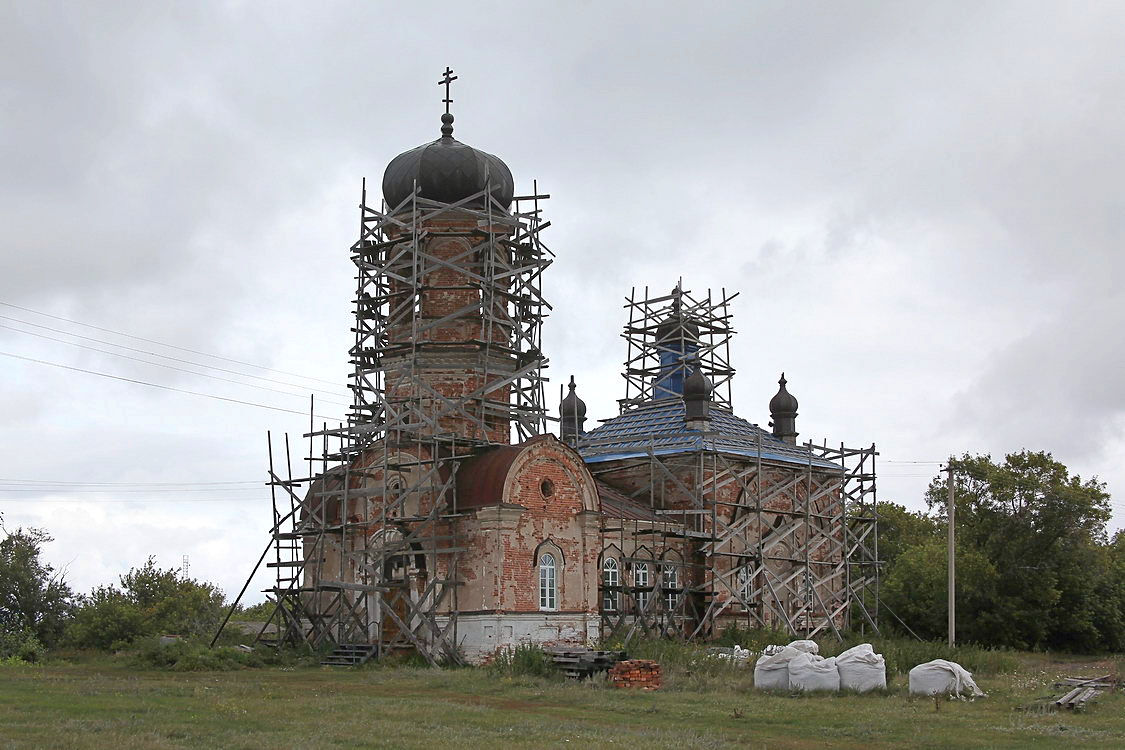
x,y
582,662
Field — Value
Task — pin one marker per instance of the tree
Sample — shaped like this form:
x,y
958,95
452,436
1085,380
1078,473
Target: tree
x,y
1109,595
900,529
915,590
1044,532
149,601
34,597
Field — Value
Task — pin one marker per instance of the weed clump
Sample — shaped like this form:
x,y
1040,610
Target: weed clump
x,y
521,660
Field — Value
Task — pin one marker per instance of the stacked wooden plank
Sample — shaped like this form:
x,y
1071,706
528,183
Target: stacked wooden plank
x,y
644,674
1081,690
582,662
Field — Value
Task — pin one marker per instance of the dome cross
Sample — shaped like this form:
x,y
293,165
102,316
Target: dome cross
x,y
447,78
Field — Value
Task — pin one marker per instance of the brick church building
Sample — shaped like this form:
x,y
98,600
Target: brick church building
x,y
454,515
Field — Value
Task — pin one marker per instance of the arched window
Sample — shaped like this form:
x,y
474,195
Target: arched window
x,y
548,582
670,582
387,544
611,581
641,584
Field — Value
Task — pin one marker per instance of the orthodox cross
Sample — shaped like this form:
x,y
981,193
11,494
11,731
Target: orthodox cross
x,y
447,79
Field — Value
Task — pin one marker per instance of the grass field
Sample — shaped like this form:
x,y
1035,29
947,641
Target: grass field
x,y
104,702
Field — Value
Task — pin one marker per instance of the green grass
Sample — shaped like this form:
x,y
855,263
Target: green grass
x,y
110,702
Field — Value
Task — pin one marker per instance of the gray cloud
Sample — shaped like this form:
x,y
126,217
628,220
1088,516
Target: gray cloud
x,y
919,204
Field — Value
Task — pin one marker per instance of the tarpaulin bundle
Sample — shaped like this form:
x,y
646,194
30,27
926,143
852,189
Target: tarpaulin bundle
x,y
809,672
941,677
771,672
861,669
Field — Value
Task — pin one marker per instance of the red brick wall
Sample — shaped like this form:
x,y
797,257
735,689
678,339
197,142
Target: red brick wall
x,y
505,543
443,291
665,494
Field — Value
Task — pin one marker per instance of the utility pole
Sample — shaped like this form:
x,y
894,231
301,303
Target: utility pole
x,y
952,585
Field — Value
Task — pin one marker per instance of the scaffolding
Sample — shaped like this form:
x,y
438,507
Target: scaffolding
x,y
658,353
447,361
743,538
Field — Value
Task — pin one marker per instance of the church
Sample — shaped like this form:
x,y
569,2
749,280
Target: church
x,y
457,513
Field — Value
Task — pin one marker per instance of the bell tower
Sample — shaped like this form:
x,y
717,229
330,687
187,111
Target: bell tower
x,y
446,362
449,313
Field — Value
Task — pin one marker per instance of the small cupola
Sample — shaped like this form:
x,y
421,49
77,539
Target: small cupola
x,y
572,415
677,341
697,399
678,331
783,413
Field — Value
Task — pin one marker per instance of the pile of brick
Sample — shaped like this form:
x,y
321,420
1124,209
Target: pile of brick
x,y
636,673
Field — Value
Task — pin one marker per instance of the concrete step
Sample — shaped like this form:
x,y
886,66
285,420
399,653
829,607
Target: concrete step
x,y
350,655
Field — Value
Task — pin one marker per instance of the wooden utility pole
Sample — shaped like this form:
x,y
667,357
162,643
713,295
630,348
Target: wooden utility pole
x,y
952,585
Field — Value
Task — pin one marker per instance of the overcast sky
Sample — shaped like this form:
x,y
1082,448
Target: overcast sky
x,y
919,203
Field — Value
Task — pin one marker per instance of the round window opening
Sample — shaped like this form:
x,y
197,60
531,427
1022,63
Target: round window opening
x,y
547,487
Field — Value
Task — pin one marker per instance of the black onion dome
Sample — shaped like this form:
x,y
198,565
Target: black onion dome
x,y
572,406
697,385
783,404
447,171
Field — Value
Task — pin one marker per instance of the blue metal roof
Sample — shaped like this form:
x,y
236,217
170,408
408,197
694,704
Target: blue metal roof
x,y
658,426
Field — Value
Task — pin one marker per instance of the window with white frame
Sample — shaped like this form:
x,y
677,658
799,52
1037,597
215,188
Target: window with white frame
x,y
745,586
670,582
640,583
548,582
611,581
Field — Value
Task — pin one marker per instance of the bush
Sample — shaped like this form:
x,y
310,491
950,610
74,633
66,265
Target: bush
x,y
21,646
150,601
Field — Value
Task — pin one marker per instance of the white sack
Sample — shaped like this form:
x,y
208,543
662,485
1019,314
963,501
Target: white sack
x,y
809,647
810,672
940,677
772,670
862,669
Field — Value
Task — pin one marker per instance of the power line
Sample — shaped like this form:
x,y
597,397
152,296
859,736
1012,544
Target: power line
x,y
886,475
170,367
161,343
230,500
166,387
107,490
123,484
155,354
